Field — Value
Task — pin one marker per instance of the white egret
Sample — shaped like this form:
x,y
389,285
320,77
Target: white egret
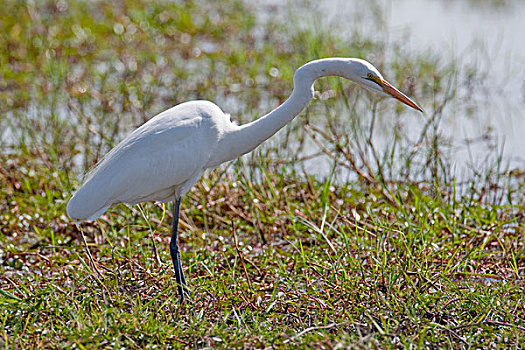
x,y
161,160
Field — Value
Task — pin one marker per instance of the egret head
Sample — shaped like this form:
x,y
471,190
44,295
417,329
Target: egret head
x,y
366,75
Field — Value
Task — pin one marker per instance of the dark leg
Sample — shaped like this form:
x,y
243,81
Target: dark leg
x,y
175,254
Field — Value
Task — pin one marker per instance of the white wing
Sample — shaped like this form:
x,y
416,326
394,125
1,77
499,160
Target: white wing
x,y
159,161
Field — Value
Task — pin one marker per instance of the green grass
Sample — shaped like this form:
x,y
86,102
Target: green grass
x,y
385,249
340,266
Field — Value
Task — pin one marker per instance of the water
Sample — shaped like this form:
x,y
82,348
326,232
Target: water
x,y
486,36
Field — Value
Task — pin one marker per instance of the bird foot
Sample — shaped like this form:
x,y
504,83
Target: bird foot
x,y
184,294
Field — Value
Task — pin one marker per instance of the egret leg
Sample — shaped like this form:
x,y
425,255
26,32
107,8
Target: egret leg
x,y
175,254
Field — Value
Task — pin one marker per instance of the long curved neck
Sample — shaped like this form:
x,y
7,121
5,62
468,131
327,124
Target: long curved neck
x,y
243,139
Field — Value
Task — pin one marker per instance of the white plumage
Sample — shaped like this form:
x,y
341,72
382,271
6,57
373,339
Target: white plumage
x,y
159,161
162,159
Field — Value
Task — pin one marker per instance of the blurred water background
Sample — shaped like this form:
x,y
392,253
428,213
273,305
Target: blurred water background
x,y
78,78
482,38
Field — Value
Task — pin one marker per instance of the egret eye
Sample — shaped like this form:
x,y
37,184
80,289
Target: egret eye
x,y
373,78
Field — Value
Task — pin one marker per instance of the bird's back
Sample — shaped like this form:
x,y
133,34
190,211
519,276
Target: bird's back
x,y
159,161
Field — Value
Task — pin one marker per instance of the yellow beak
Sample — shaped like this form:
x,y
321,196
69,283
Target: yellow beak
x,y
395,93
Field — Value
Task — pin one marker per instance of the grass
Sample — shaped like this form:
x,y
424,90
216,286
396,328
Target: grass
x,y
386,249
